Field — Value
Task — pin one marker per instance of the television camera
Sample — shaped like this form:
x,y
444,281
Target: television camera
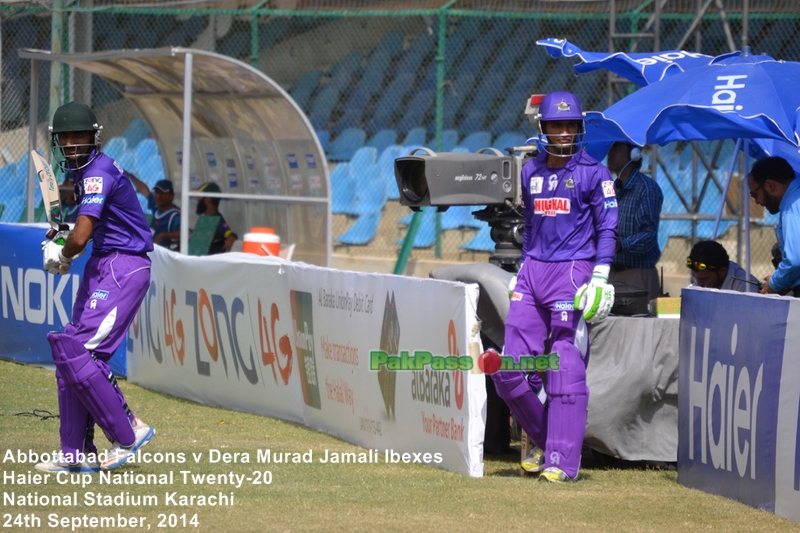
x,y
488,177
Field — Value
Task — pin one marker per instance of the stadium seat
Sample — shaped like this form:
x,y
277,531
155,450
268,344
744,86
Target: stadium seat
x,y
362,231
450,140
415,136
343,188
136,132
426,232
383,139
345,145
481,242
146,149
304,87
370,193
324,137
386,164
509,139
364,156
477,140
115,147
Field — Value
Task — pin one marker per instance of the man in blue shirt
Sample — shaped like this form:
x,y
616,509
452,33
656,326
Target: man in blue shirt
x,y
772,184
166,221
639,201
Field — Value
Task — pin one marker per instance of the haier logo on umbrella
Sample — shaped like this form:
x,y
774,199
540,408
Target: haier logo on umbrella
x,y
725,96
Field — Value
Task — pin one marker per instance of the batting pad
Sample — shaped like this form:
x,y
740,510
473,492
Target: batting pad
x,y
82,375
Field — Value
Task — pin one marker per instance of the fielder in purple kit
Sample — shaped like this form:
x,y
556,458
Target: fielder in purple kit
x,y
114,283
570,234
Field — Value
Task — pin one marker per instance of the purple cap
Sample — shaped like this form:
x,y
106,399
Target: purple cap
x,y
560,105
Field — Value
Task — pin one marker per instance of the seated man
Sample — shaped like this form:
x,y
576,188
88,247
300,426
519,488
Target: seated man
x,y
224,237
712,268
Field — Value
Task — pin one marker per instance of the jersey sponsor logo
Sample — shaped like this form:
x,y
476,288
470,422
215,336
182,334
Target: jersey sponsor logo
x,y
516,296
550,207
552,182
100,295
564,306
89,200
610,204
536,184
608,189
93,185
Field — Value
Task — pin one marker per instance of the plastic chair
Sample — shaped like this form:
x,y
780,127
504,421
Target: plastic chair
x,y
115,147
426,232
146,149
383,139
415,136
362,231
370,190
477,140
345,145
136,132
364,156
343,188
481,242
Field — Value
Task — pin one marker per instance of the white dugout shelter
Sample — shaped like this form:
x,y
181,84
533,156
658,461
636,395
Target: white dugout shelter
x,y
240,130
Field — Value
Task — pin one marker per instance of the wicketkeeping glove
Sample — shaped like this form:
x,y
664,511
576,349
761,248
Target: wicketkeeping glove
x,y
596,298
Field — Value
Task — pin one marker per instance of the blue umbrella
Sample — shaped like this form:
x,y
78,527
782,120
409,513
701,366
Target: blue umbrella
x,y
641,68
734,96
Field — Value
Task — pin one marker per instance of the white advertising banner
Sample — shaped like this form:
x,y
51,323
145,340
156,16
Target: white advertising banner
x,y
315,345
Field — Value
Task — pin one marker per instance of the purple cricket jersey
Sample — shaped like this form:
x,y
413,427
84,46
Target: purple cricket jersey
x,y
106,193
570,212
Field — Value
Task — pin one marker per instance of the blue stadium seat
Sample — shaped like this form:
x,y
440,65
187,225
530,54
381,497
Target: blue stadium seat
x,y
362,231
415,136
472,122
127,161
506,122
351,118
363,156
304,87
115,147
343,188
426,232
477,140
144,151
345,145
383,139
386,164
509,139
324,137
415,112
450,140
136,131
371,192
456,217
481,242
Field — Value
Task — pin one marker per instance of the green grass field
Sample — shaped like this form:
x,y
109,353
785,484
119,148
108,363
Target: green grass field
x,y
339,497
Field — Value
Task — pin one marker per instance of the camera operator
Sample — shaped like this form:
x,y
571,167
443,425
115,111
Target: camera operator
x,y
570,212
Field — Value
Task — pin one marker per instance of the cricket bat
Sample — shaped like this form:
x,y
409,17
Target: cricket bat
x,y
51,196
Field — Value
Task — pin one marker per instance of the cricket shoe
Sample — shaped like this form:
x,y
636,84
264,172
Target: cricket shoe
x,y
88,466
553,474
118,454
534,462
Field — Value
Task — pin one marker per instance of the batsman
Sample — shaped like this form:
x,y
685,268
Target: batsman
x,y
570,212
115,280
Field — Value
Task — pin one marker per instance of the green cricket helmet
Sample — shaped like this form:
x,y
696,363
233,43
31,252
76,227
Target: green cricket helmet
x,y
75,117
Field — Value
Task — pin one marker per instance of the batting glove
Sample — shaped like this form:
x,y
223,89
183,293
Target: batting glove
x,y
596,298
54,261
